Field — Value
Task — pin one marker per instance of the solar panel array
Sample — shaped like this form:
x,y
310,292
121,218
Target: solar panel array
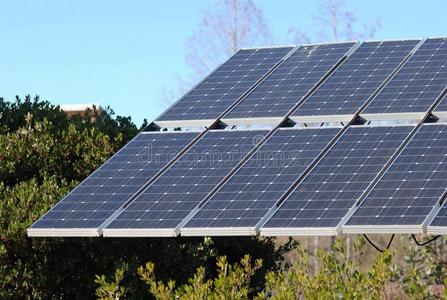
x,y
224,86
92,202
355,81
326,195
252,191
166,202
370,178
418,84
412,186
286,86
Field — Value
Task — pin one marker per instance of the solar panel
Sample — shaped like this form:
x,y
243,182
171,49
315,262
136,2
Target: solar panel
x,y
299,181
92,202
418,84
170,198
409,190
285,87
209,99
255,188
441,109
348,88
319,203
439,224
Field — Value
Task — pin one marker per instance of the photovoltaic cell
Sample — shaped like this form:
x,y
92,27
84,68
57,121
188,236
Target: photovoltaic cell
x,y
442,105
333,187
418,84
286,86
255,188
441,217
413,184
92,202
348,88
167,201
225,85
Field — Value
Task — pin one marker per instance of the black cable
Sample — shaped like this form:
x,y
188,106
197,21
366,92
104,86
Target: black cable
x,y
424,243
375,246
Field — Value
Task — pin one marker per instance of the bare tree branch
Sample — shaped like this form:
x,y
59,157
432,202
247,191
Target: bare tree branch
x,y
226,27
334,22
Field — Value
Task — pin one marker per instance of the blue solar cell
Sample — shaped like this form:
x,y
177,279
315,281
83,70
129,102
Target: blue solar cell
x,y
169,199
288,84
441,217
252,191
346,90
333,187
226,85
413,184
442,107
418,84
92,202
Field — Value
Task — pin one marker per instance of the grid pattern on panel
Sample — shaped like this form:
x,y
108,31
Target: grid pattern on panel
x,y
285,87
441,217
93,201
225,85
418,84
442,105
258,185
345,91
327,193
166,202
413,184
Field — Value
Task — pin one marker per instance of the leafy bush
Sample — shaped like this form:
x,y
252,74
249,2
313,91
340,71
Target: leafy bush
x,y
43,155
337,278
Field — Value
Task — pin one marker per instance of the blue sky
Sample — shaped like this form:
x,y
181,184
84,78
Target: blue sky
x,y
121,53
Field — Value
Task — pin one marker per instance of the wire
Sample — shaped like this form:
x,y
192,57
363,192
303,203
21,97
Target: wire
x,y
424,243
376,247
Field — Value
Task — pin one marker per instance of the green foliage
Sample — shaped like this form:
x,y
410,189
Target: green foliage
x,y
43,155
111,290
231,282
19,206
13,115
34,151
337,278
18,200
424,267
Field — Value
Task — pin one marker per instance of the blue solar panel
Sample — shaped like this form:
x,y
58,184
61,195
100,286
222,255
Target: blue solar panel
x,y
345,91
252,191
291,184
287,85
418,84
169,199
223,87
92,202
441,217
333,187
442,107
413,184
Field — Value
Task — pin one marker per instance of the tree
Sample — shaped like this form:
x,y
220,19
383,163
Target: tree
x,y
226,26
224,29
43,155
13,116
335,22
